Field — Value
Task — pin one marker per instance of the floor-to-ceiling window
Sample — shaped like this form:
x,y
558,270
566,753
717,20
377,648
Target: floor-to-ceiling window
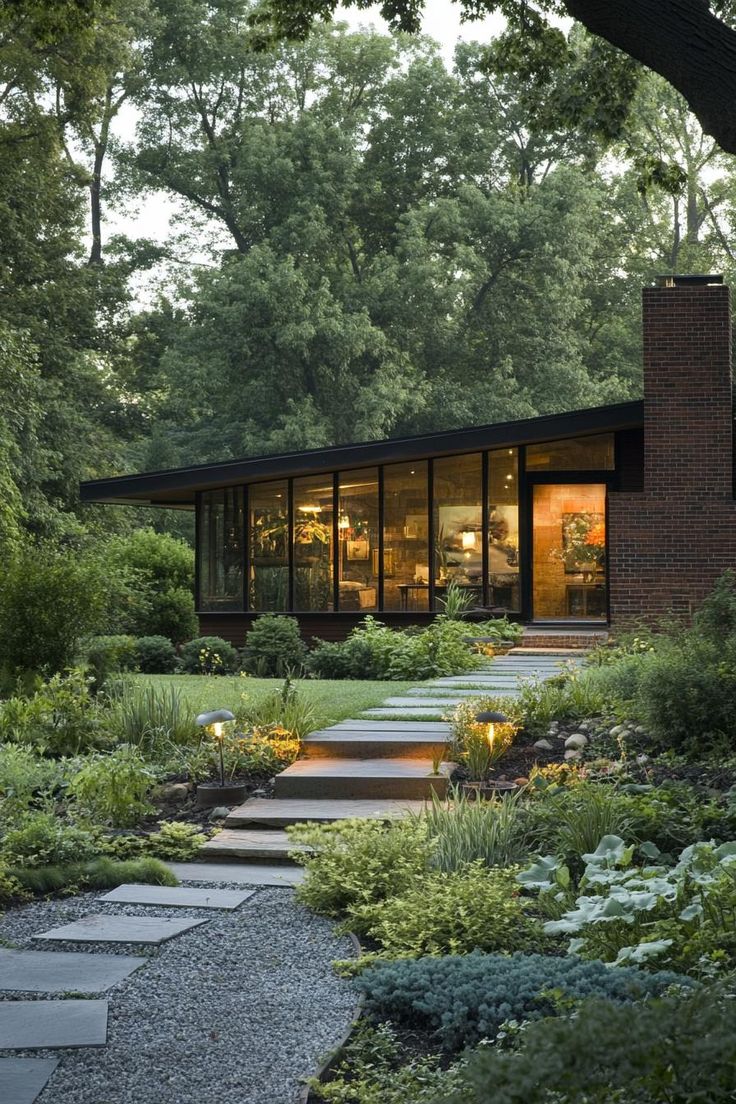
x,y
569,553
405,537
503,529
268,535
457,520
358,546
313,519
221,551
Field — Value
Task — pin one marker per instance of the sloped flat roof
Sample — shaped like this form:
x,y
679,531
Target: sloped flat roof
x,y
177,487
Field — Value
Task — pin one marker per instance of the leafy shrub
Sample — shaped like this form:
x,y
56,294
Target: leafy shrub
x,y
208,655
60,718
374,1069
451,913
373,651
353,862
155,655
466,998
260,753
159,569
464,831
682,1051
175,841
24,778
42,839
49,601
112,788
107,655
102,873
150,717
686,694
274,647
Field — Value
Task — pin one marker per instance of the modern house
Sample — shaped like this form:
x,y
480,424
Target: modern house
x,y
594,516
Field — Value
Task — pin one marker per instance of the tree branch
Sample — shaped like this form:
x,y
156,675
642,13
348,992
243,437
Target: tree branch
x,y
682,41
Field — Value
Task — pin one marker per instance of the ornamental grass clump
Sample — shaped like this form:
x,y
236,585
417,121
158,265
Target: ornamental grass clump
x,y
463,831
465,998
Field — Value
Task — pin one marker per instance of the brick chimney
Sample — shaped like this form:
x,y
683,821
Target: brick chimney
x,y
669,543
688,386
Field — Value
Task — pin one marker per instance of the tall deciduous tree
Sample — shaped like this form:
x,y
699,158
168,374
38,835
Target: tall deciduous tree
x,y
691,43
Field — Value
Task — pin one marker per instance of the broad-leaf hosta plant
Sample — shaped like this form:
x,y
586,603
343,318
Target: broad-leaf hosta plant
x,y
683,914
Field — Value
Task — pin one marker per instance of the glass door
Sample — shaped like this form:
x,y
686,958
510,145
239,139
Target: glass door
x,y
569,552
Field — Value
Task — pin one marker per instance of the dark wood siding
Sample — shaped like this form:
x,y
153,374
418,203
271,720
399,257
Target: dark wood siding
x,y
630,460
327,626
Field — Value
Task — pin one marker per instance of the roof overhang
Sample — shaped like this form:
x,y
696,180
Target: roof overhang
x,y
177,488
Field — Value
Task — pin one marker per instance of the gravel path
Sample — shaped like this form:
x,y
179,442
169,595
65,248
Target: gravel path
x,y
233,1012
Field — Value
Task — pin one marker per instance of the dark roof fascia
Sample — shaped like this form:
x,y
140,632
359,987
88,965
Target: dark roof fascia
x,y
133,489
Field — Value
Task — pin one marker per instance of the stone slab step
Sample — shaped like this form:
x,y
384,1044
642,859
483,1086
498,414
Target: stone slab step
x,y
109,928
63,971
364,744
22,1079
362,778
400,712
430,727
235,871
458,689
34,1024
253,843
267,811
178,896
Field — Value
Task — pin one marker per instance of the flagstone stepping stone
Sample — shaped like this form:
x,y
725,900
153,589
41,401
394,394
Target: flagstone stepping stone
x,y
424,703
27,1025
178,896
106,928
63,971
239,873
21,1079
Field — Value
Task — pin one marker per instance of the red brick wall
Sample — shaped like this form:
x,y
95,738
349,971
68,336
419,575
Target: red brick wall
x,y
669,543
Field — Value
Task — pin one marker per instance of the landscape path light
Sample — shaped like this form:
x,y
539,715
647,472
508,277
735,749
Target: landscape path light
x,y
214,721
491,718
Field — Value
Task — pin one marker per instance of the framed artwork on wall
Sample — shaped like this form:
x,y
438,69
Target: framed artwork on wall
x,y
358,549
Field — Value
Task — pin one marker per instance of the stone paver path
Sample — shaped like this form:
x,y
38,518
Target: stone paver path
x,y
387,762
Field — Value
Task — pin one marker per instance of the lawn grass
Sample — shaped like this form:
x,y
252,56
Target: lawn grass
x,y
333,700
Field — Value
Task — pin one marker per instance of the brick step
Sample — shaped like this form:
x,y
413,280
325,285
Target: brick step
x,y
252,844
364,744
362,778
265,812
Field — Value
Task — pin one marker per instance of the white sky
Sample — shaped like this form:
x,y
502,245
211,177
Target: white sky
x,y
158,214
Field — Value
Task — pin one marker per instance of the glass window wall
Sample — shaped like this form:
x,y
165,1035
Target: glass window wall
x,y
503,529
313,519
458,525
221,550
405,537
357,534
576,454
268,527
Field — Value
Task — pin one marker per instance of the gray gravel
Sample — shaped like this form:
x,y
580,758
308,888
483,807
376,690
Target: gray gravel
x,y
234,1012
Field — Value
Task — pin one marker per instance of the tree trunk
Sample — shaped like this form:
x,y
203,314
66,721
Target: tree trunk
x,y
682,41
